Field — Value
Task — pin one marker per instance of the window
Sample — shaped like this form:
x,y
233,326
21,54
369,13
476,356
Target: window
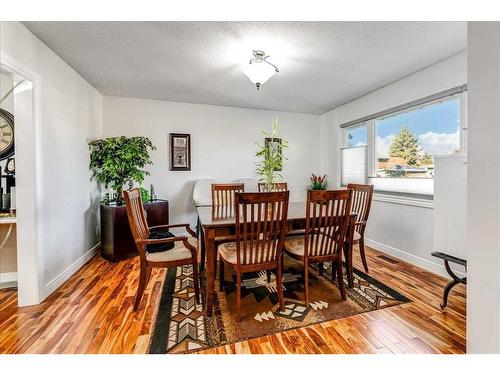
x,y
406,142
355,136
401,145
354,163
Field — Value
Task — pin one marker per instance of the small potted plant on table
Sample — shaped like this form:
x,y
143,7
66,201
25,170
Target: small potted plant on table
x,y
318,182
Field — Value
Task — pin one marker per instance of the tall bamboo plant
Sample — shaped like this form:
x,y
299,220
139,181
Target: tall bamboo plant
x,y
270,157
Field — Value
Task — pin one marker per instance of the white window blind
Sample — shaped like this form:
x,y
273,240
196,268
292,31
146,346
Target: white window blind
x,y
354,165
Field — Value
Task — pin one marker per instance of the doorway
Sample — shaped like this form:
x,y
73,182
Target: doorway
x,y
19,92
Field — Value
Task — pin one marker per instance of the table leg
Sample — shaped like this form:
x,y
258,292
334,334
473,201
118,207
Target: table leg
x,y
201,239
210,272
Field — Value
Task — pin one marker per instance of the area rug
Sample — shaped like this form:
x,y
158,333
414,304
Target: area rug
x,y
181,327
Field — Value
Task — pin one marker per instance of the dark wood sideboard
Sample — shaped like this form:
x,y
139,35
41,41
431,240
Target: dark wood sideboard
x,y
117,242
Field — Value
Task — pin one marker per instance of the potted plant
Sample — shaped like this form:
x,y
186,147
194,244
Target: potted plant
x,y
118,160
115,162
270,157
318,182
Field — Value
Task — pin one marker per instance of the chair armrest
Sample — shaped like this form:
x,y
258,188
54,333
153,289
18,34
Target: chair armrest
x,y
149,241
194,250
188,228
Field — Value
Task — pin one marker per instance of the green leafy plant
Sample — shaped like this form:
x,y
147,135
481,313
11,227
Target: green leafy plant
x,y
146,197
318,182
270,157
118,160
405,145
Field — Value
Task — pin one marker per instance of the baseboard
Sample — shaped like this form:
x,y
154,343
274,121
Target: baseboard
x,y
8,280
52,285
8,277
437,268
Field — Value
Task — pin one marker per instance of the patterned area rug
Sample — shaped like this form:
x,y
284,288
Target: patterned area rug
x,y
181,327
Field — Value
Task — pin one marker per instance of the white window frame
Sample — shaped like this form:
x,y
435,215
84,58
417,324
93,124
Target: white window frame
x,y
369,122
344,134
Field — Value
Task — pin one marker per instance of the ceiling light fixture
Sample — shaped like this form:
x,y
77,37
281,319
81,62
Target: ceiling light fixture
x,y
259,70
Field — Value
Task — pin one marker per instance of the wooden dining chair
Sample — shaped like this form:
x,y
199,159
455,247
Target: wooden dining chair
x,y
260,228
156,253
277,186
222,207
327,219
361,203
223,198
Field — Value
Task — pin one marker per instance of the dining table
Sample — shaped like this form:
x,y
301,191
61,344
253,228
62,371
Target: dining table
x,y
214,224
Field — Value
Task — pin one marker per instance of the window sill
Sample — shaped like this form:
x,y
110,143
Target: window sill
x,y
403,199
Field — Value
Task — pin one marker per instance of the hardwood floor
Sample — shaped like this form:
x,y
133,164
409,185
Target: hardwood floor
x,y
92,313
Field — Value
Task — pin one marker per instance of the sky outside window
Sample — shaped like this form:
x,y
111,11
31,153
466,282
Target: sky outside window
x,y
356,136
435,126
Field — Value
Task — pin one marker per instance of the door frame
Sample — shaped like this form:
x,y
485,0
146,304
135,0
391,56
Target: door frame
x,y
28,192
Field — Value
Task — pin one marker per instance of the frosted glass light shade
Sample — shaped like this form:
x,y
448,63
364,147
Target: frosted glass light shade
x,y
259,72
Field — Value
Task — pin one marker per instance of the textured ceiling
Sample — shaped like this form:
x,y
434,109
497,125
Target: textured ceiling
x,y
322,64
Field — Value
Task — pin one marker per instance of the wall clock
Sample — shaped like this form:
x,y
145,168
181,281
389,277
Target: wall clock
x,y
6,134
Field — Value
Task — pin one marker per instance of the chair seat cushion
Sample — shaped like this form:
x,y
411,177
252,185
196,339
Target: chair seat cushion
x,y
227,251
179,252
295,245
155,248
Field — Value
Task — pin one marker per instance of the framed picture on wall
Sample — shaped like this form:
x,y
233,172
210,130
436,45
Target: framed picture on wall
x,y
275,145
180,152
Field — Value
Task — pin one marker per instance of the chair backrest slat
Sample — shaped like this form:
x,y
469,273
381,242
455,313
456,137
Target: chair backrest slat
x,y
277,186
327,218
136,217
223,199
260,226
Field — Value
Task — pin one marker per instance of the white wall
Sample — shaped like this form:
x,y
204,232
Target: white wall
x,y
72,112
70,115
483,289
222,144
405,231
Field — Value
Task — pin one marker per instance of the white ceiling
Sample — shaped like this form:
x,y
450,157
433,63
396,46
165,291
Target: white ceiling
x,y
322,64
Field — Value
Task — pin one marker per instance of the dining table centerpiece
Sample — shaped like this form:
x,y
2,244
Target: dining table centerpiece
x,y
318,182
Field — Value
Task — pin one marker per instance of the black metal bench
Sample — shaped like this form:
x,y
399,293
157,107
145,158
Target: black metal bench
x,y
455,279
